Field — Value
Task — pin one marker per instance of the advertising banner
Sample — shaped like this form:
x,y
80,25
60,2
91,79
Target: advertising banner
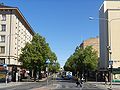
x,y
3,73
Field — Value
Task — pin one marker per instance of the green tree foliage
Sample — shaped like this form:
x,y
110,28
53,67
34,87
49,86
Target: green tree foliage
x,y
35,54
90,58
81,59
54,65
69,65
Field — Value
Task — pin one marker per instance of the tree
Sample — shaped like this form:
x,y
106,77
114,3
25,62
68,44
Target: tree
x,y
69,65
82,59
90,58
35,54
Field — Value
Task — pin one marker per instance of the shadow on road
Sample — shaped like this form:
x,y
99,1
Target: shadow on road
x,y
69,81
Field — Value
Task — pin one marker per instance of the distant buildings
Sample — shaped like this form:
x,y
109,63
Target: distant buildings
x,y
15,31
94,42
109,18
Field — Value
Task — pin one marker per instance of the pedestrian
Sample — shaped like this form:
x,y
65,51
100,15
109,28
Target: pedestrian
x,y
82,80
106,79
78,82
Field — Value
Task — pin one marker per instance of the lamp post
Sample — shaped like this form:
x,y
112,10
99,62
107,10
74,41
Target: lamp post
x,y
54,71
47,62
109,44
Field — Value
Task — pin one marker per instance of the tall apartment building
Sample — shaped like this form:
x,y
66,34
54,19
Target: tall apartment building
x,y
15,31
109,26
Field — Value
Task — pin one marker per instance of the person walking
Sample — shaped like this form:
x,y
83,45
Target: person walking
x,y
106,80
78,82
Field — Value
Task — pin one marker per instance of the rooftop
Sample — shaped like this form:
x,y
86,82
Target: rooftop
x,y
4,6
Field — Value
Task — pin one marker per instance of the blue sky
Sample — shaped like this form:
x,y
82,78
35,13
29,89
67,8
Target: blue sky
x,y
64,23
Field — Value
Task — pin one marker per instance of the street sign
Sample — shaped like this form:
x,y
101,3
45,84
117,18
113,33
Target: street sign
x,y
110,62
48,61
5,65
46,68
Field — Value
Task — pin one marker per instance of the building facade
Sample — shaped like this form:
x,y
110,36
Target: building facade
x,y
109,26
15,31
94,42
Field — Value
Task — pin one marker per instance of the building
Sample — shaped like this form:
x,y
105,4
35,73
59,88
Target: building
x,y
109,26
15,31
94,42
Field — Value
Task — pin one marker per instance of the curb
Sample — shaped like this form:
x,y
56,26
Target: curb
x,y
11,84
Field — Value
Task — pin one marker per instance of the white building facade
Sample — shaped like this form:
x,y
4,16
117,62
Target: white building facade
x,y
109,26
15,31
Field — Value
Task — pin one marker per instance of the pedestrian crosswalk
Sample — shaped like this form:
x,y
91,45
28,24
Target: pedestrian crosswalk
x,y
68,86
73,86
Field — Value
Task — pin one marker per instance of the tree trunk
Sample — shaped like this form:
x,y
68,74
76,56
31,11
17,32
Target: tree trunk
x,y
40,75
34,73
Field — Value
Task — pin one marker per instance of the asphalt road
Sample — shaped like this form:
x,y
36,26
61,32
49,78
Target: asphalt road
x,y
70,85
58,85
27,86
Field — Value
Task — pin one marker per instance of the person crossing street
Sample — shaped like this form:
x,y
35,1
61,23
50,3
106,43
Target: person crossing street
x,y
79,82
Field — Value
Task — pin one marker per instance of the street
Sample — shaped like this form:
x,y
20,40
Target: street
x,y
25,85
71,85
54,85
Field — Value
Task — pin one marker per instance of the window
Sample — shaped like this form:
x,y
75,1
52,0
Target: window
x,y
2,60
2,38
2,49
3,17
3,27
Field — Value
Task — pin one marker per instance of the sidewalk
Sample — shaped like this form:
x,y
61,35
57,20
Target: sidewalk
x,y
115,85
10,84
4,85
32,80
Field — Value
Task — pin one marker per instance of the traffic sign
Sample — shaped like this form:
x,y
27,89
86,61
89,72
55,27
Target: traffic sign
x,y
110,62
5,65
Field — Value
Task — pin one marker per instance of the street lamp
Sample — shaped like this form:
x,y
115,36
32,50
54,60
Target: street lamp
x,y
109,45
54,71
47,62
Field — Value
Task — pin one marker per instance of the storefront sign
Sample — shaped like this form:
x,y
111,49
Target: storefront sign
x,y
2,75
